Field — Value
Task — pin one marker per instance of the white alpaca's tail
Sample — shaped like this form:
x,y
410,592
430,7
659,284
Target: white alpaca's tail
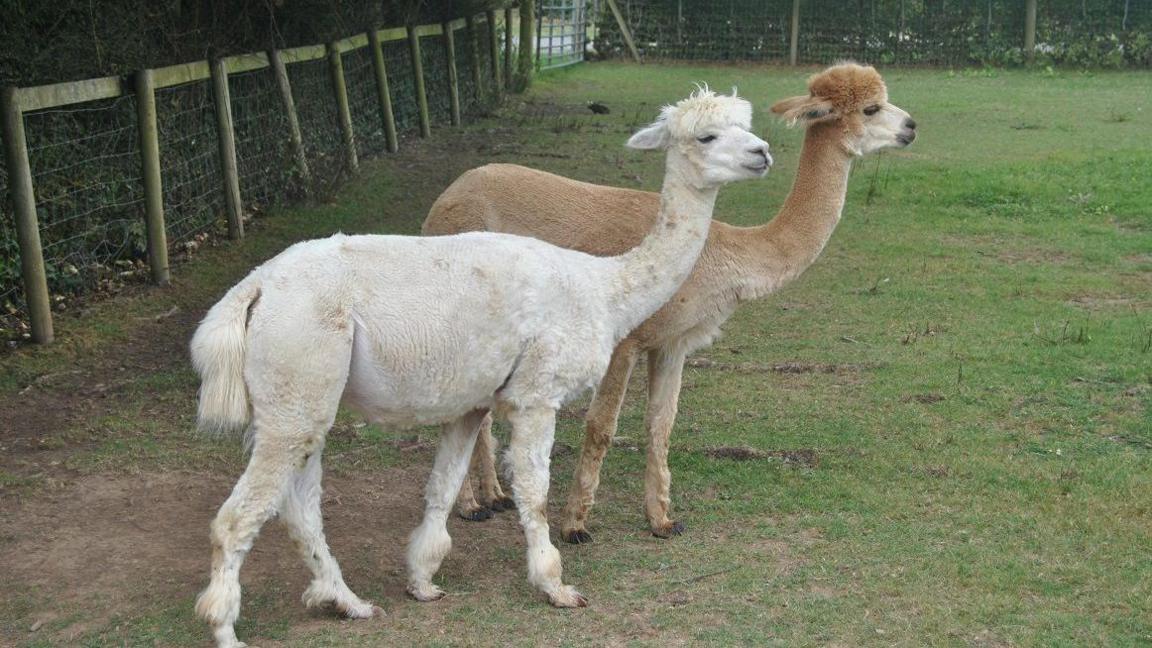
x,y
218,349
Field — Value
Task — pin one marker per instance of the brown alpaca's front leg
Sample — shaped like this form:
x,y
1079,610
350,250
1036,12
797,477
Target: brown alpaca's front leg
x,y
484,467
600,425
492,498
466,505
665,371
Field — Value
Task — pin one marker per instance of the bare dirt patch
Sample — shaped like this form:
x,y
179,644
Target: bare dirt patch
x,y
1032,256
924,399
1009,251
1099,303
112,546
804,456
778,368
56,402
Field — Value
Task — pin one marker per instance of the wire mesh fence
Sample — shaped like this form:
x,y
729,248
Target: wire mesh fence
x,y
262,158
364,102
465,42
398,61
1111,33
189,160
86,160
319,123
86,170
436,77
11,298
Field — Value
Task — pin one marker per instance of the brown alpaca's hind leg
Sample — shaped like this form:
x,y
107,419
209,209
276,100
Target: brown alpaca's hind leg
x,y
665,371
600,425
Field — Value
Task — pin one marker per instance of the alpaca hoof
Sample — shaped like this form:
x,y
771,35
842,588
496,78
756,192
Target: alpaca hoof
x,y
476,515
668,530
503,504
359,610
226,638
567,597
577,536
425,593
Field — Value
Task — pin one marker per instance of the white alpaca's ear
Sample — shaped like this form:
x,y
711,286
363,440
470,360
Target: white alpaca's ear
x,y
650,138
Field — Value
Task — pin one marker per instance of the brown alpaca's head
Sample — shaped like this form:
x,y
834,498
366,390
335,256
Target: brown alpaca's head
x,y
855,97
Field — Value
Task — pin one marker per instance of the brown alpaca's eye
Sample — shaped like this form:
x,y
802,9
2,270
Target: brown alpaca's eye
x,y
871,110
706,139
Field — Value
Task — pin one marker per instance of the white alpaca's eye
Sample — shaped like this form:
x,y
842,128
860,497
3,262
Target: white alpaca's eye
x,y
871,110
705,139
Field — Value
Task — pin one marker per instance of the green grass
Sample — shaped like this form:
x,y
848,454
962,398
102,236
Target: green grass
x,y
983,472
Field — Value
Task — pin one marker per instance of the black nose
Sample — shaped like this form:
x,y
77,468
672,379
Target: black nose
x,y
910,123
763,151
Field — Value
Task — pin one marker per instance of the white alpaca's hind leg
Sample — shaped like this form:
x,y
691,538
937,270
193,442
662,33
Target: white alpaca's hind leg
x,y
306,526
254,499
533,431
430,542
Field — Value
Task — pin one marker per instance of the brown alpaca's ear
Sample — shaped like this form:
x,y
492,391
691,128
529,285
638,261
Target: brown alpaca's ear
x,y
807,108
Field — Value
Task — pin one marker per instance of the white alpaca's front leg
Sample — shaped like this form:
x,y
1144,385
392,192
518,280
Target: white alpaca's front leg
x,y
430,542
533,431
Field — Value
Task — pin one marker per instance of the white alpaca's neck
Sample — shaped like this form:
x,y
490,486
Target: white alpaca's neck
x,y
649,274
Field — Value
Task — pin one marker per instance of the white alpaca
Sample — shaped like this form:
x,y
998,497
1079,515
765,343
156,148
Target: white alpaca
x,y
411,330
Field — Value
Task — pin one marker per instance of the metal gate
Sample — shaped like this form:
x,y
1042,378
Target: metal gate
x,y
561,32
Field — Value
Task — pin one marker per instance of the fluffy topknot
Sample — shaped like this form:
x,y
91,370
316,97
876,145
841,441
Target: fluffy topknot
x,y
704,110
848,86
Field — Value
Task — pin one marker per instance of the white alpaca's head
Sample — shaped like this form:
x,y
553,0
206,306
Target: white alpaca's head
x,y
855,97
710,132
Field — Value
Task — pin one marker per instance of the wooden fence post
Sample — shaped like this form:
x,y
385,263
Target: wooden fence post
x,y
527,37
336,71
794,44
385,95
494,51
474,55
418,80
1030,28
227,140
508,72
295,137
624,31
540,36
453,78
27,225
150,171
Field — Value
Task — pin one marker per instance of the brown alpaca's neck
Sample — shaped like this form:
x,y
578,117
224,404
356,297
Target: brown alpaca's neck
x,y
790,242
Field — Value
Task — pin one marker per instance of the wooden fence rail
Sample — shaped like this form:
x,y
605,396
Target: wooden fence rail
x,y
15,103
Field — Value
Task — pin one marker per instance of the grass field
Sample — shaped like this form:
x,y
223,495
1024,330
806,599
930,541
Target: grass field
x,y
972,392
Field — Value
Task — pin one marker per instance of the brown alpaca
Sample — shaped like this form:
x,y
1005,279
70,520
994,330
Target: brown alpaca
x,y
846,113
